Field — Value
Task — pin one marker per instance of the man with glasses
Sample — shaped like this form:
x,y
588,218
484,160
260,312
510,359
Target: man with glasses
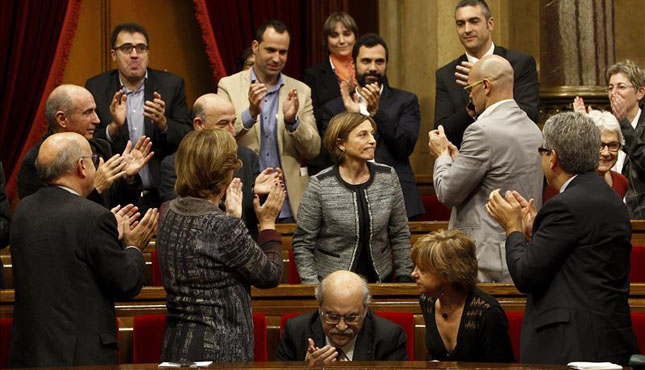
x,y
343,328
134,100
71,108
475,30
497,152
572,257
72,258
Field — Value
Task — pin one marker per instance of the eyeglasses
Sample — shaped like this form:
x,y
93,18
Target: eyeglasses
x,y
470,87
127,48
612,147
95,159
619,87
334,319
544,151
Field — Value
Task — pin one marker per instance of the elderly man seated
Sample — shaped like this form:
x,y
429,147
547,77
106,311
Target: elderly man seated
x,y
343,328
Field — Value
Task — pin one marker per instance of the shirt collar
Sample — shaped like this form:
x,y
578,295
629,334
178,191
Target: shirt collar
x,y
472,59
489,110
277,85
68,189
141,86
636,118
566,183
348,349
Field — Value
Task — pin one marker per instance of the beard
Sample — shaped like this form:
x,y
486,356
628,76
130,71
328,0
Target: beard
x,y
362,78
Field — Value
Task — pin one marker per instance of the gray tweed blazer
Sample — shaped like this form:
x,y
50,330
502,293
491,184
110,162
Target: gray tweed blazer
x,y
327,234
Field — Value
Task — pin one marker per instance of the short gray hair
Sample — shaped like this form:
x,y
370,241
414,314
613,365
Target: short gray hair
x,y
605,121
63,163
320,291
59,100
576,140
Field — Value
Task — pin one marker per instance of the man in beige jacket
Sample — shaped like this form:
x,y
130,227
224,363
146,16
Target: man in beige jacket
x,y
274,113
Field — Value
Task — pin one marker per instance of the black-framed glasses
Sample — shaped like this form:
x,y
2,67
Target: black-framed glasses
x,y
612,147
127,48
544,151
95,159
334,319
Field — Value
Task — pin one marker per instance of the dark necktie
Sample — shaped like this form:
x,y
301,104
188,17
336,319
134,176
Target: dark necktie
x,y
341,355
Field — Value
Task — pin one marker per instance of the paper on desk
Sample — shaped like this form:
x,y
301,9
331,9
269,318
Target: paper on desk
x,y
196,364
594,365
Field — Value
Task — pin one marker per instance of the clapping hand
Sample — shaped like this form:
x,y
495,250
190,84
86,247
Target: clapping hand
x,y
108,172
266,179
579,106
257,92
372,94
320,356
139,234
291,106
156,111
439,144
507,212
233,202
350,103
129,211
137,157
269,211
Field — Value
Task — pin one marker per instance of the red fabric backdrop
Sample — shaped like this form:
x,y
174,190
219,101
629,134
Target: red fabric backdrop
x,y
35,40
233,25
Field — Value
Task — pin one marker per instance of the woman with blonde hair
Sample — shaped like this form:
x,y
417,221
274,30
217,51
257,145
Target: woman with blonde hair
x,y
352,216
462,322
208,259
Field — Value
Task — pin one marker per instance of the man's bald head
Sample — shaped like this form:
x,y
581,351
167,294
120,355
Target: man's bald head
x,y
58,158
495,76
343,284
212,111
71,108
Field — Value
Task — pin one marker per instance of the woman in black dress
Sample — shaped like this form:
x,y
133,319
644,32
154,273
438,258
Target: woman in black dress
x,y
462,322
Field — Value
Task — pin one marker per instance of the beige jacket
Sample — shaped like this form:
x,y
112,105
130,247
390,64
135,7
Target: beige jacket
x,y
303,143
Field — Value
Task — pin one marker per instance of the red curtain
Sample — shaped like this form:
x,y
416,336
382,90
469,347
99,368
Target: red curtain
x,y
233,25
35,40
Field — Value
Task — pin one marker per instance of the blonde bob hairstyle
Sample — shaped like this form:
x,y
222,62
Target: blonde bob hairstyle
x,y
204,160
451,255
338,131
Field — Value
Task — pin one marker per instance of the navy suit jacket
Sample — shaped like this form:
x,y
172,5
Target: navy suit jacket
x,y
451,99
69,267
171,88
575,271
378,340
397,130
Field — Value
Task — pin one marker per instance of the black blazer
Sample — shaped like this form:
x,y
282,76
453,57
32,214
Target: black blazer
x,y
451,98
634,167
170,87
575,271
378,340
119,193
247,173
397,129
68,268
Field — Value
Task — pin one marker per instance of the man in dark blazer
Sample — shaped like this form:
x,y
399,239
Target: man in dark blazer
x,y
213,111
343,328
134,100
70,264
395,111
475,28
573,259
71,108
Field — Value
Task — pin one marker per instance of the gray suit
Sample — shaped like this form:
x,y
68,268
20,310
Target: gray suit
x,y
499,150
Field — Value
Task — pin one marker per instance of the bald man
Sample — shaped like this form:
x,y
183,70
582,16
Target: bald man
x,y
72,258
343,328
71,108
212,111
499,151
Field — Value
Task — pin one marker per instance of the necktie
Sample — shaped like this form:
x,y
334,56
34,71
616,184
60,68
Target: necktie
x,y
341,355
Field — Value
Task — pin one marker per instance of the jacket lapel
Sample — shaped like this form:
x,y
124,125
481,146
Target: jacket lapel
x,y
316,334
363,347
148,94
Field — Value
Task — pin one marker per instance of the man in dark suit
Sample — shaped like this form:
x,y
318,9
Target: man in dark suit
x,y
395,111
69,263
134,100
475,28
213,111
343,328
71,108
572,258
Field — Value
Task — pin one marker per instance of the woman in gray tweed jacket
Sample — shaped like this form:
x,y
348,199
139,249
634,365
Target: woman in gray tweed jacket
x,y
352,216
208,259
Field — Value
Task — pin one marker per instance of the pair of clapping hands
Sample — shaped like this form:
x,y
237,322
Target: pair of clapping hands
x,y
154,109
512,212
320,356
258,91
133,232
126,164
268,182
